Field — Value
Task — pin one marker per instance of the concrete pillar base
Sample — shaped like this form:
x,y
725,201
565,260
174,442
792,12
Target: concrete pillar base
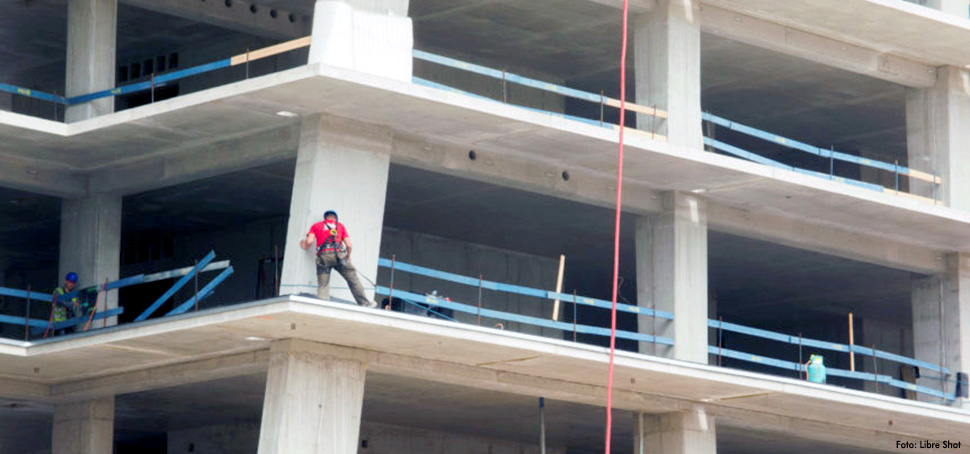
x,y
667,57
314,397
941,317
687,432
372,36
672,275
91,31
341,165
84,427
91,243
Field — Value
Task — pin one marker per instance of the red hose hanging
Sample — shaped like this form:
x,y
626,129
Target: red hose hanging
x,y
616,231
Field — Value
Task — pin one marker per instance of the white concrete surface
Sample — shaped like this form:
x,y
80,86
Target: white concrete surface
x,y
234,341
313,400
91,30
937,139
685,432
85,427
371,41
941,321
90,243
957,8
667,56
342,166
672,276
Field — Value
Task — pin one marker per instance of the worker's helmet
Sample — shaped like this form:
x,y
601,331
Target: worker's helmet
x,y
328,213
71,277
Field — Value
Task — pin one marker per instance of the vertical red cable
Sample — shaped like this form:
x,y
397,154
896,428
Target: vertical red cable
x,y
616,231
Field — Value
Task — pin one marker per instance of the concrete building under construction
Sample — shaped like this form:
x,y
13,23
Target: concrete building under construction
x,y
796,183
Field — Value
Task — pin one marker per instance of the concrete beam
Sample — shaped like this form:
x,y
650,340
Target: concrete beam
x,y
584,185
237,17
41,178
198,161
20,389
232,365
816,48
636,6
824,239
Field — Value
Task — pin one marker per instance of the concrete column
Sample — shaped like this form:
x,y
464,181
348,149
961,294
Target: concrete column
x,y
314,397
371,36
84,427
672,275
941,320
954,7
937,138
91,242
91,30
667,58
341,165
687,432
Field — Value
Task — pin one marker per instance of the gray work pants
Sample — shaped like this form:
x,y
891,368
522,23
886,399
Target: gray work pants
x,y
328,260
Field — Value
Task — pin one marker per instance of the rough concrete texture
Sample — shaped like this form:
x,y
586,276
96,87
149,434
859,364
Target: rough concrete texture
x,y
685,432
313,400
374,42
667,54
91,31
937,138
672,275
91,243
341,166
941,317
84,427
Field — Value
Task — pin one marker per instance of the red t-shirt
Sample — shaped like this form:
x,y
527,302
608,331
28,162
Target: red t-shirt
x,y
322,234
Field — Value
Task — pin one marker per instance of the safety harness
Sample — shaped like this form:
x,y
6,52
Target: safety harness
x,y
330,243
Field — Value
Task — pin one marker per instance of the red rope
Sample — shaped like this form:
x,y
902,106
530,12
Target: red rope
x,y
616,231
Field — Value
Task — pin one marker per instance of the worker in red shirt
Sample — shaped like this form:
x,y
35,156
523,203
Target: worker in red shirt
x,y
333,252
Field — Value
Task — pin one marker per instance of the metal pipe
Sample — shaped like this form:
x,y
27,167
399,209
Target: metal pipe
x,y
196,284
875,369
479,299
27,317
574,316
542,425
390,292
505,90
720,338
602,101
896,171
800,357
153,87
942,342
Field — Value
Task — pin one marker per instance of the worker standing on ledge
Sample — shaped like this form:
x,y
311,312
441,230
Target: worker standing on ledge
x,y
333,252
61,308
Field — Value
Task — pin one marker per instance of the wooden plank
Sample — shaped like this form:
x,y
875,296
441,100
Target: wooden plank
x,y
636,108
920,175
271,50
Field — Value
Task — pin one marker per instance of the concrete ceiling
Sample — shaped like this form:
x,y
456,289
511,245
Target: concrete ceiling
x,y
388,399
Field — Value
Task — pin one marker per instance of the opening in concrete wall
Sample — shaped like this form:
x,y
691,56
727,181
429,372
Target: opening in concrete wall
x,y
809,102
240,215
800,292
476,228
30,236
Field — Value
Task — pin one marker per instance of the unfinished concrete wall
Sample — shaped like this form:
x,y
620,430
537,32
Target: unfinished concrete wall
x,y
471,260
244,246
